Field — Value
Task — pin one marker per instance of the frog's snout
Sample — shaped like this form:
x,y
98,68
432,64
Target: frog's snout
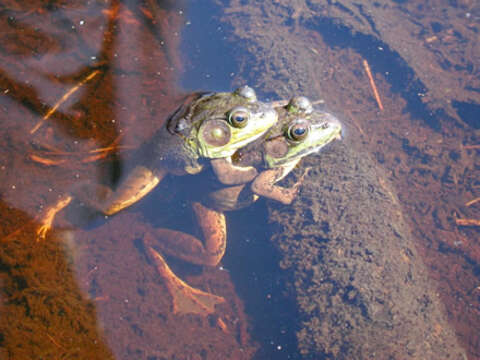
x,y
333,121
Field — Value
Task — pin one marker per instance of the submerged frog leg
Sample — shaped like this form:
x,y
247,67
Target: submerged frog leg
x,y
137,184
188,247
264,185
49,216
214,229
229,174
186,299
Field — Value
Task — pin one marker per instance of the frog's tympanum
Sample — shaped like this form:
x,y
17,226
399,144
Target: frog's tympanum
x,y
300,131
207,126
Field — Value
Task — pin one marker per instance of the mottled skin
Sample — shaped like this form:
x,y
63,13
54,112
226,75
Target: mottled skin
x,y
207,126
276,155
299,132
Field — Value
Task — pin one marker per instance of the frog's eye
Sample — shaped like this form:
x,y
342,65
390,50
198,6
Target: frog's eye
x,y
246,92
238,117
298,130
300,104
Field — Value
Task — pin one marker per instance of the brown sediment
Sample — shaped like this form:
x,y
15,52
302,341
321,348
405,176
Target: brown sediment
x,y
40,296
429,177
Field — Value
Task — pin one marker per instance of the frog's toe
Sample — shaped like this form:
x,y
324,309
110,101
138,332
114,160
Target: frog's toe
x,y
49,215
186,299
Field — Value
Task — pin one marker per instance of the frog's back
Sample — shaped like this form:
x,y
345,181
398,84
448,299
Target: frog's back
x,y
168,151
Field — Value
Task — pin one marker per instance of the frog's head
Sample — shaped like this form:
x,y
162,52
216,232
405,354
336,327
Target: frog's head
x,y
301,130
215,125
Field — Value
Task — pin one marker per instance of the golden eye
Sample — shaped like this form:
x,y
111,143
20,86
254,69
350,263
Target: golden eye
x,y
298,130
239,117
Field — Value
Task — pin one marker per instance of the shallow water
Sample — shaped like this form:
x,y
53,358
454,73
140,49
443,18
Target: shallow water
x,y
79,78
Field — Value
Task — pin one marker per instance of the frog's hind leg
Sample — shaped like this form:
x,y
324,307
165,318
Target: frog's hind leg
x,y
214,229
189,248
46,220
137,184
186,299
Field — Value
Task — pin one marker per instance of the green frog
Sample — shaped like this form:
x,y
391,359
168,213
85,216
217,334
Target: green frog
x,y
299,132
207,126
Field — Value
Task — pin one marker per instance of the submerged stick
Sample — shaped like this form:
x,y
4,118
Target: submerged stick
x,y
372,84
63,99
471,202
467,222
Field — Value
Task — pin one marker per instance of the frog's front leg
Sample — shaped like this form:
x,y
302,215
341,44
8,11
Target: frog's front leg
x,y
264,185
46,220
229,174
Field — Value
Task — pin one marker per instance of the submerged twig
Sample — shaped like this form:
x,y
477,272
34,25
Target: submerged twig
x,y
477,146
467,222
372,84
46,161
63,99
471,202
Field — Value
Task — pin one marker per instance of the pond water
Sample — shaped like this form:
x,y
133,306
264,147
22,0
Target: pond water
x,y
84,85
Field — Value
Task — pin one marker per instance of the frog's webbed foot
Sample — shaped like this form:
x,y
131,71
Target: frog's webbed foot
x,y
186,299
188,248
47,219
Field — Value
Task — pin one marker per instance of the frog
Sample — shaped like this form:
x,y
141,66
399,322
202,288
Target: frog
x,y
208,126
300,131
